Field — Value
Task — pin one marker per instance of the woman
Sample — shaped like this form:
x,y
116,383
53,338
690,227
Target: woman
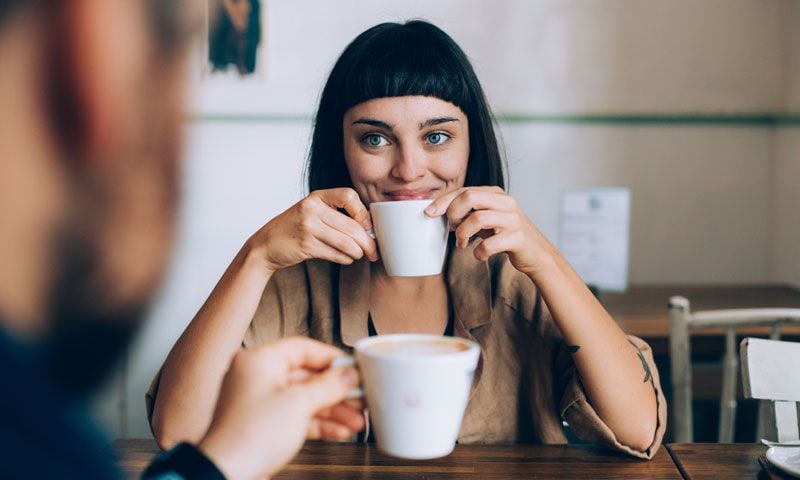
x,y
403,116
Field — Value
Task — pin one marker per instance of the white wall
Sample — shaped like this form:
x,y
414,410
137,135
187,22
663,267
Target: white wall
x,y
786,198
699,195
791,39
545,56
786,168
702,208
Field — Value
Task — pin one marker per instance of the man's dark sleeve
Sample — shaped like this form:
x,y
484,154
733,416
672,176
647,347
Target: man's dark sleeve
x,y
182,462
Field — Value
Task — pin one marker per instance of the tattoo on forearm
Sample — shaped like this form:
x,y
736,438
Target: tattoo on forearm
x,y
572,348
646,367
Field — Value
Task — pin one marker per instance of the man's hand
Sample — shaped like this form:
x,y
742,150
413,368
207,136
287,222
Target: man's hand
x,y
272,399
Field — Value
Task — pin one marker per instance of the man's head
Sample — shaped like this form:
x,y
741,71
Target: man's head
x,y
92,95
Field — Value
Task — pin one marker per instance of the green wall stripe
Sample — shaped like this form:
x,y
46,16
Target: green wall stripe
x,y
755,120
788,121
765,120
249,118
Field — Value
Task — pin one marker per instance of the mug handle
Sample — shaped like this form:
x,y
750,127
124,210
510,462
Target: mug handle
x,y
348,361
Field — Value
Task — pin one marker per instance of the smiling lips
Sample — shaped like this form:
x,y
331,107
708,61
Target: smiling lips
x,y
418,194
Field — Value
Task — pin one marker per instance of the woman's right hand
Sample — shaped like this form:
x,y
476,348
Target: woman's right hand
x,y
315,228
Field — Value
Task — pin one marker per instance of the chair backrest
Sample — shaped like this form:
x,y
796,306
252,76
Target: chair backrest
x,y
682,319
771,372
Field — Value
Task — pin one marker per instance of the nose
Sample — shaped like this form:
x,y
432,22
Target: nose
x,y
411,163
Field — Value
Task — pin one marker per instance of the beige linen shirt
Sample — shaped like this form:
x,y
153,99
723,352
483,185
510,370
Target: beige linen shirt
x,y
525,382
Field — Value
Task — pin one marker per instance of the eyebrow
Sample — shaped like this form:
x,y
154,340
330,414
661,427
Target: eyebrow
x,y
372,122
436,121
427,123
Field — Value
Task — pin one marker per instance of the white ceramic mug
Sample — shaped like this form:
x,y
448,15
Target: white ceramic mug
x,y
416,387
411,243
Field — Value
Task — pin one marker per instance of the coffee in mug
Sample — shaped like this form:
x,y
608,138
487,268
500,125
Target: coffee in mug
x,y
434,346
416,387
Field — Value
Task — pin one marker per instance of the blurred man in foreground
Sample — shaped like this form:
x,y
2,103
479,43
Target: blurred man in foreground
x,y
90,133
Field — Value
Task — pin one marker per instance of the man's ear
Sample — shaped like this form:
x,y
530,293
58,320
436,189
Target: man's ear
x,y
105,57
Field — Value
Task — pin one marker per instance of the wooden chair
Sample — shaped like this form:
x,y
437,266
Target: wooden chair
x,y
771,373
682,319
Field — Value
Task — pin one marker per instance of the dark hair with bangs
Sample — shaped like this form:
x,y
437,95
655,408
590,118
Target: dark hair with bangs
x,y
395,60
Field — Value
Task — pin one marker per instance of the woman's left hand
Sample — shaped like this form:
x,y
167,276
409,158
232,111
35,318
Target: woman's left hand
x,y
492,214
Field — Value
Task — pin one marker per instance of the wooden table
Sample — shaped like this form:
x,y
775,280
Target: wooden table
x,y
698,461
320,460
642,311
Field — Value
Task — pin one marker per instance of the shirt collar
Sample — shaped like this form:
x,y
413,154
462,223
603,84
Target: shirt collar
x,y
354,301
470,289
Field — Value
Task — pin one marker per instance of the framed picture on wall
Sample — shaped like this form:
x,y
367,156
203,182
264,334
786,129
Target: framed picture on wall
x,y
233,48
229,67
594,235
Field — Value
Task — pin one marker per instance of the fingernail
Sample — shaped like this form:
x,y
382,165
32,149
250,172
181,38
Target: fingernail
x,y
349,377
367,224
371,233
430,210
343,361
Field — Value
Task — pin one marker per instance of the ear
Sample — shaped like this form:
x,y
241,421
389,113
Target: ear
x,y
106,52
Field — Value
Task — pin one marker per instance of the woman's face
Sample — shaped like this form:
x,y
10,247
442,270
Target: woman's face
x,y
405,148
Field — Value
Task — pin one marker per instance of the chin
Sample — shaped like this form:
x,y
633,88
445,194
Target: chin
x,y
84,347
88,332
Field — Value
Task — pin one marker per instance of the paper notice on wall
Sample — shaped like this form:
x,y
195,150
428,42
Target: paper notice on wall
x,y
594,235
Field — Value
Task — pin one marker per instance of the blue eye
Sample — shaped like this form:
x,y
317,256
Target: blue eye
x,y
438,138
374,140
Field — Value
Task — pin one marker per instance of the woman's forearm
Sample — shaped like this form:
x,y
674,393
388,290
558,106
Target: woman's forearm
x,y
612,371
193,372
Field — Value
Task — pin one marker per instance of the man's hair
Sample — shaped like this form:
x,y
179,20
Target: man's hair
x,y
9,7
394,60
169,21
167,17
